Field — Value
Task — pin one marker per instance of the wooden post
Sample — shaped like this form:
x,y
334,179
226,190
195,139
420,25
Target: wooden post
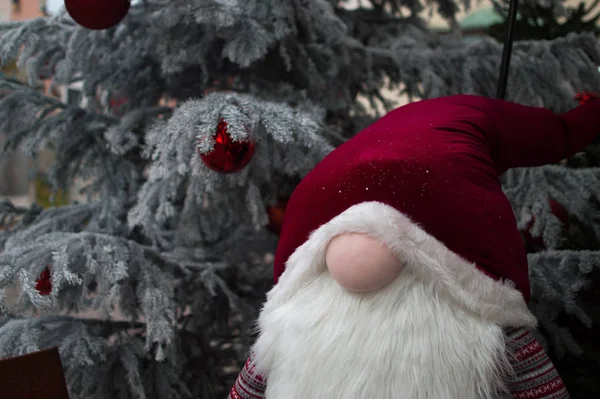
x,y
37,375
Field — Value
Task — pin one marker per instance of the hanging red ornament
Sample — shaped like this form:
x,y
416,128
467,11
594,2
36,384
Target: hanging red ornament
x,y
116,105
44,282
537,243
585,96
276,212
227,155
97,14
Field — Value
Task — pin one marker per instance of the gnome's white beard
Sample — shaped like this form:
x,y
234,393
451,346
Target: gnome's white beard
x,y
435,332
406,341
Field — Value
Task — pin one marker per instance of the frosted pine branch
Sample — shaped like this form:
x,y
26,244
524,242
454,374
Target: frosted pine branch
x,y
32,122
289,143
558,280
184,44
529,190
91,350
120,272
71,218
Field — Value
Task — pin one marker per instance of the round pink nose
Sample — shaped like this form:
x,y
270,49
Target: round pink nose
x,y
361,263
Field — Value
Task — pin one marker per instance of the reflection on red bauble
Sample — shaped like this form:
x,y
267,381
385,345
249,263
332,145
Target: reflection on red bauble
x,y
115,105
227,156
97,14
276,213
537,243
44,283
585,96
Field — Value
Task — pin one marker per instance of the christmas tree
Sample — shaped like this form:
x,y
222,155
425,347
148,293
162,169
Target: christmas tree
x,y
199,118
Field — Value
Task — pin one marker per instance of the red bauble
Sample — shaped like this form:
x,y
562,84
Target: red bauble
x,y
537,243
97,14
115,105
585,96
227,156
276,213
44,282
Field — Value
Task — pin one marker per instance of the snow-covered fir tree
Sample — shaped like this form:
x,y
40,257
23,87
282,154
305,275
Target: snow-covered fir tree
x,y
172,259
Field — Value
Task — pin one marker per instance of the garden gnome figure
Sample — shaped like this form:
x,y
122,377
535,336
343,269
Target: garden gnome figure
x,y
400,272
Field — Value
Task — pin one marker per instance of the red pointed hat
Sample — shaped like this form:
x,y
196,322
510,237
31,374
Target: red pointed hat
x,y
436,162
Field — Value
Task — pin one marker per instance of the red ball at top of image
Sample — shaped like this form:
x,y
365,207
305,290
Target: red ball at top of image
x,y
97,14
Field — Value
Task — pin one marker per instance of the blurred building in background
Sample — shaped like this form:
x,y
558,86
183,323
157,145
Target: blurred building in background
x,y
16,170
20,10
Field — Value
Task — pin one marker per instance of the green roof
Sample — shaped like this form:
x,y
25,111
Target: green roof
x,y
481,19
